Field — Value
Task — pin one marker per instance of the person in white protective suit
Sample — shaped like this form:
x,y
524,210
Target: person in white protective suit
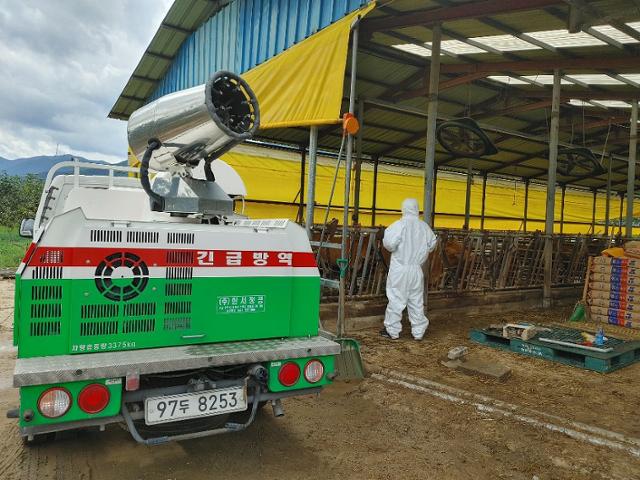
x,y
409,240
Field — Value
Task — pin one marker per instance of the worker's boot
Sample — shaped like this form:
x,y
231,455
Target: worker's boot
x,y
385,334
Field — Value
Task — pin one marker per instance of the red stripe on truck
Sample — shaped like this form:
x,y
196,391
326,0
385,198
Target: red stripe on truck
x,y
29,252
154,257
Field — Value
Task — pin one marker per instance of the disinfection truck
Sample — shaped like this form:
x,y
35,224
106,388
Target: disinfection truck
x,y
148,300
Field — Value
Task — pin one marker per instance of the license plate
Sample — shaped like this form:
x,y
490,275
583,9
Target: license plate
x,y
192,405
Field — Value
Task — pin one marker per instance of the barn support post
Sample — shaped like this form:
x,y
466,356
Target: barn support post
x,y
526,205
311,179
607,210
303,154
551,189
430,153
484,200
344,260
593,212
467,198
358,170
432,114
620,216
631,167
435,196
374,199
563,191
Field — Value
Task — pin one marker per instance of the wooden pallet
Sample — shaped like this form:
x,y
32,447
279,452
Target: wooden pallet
x,y
624,353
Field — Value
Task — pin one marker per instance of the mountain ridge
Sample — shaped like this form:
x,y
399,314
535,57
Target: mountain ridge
x,y
41,164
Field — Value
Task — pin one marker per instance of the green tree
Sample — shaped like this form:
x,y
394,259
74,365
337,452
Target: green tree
x,y
19,198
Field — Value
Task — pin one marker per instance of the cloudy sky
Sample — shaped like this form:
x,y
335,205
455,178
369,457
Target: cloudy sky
x,y
62,65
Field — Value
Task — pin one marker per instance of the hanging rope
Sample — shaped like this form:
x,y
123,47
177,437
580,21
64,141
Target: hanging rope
x,y
606,139
333,189
583,124
572,127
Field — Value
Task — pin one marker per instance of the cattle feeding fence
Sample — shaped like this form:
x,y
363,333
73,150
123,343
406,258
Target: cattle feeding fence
x,y
463,261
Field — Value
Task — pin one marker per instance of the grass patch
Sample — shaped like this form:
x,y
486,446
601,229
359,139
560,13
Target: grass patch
x,y
12,247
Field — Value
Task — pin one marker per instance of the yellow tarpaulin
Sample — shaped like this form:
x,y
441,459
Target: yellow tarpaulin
x,y
304,84
273,184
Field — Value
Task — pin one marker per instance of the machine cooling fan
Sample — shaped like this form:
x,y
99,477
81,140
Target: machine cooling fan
x,y
464,138
578,162
121,276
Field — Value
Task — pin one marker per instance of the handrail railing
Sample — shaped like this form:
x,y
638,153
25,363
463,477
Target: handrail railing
x,y
76,166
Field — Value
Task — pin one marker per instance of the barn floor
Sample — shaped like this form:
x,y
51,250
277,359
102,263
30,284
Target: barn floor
x,y
412,418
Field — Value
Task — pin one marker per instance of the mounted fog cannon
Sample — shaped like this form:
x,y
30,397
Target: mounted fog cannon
x,y
202,122
176,132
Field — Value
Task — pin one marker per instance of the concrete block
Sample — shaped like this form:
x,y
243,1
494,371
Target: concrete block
x,y
473,365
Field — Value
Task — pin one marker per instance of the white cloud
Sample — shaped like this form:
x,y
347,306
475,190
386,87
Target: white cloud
x,y
63,64
14,146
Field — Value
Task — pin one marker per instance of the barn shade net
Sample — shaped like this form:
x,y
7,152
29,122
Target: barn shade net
x,y
303,85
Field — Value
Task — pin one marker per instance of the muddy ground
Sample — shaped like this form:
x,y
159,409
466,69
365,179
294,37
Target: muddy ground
x,y
560,423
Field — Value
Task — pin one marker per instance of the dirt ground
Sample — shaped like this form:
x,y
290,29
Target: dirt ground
x,y
560,422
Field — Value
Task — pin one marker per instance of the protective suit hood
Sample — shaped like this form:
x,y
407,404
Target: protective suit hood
x,y
410,207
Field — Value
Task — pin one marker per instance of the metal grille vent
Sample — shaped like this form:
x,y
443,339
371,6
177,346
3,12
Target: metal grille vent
x,y
52,256
46,292
105,236
47,272
138,325
180,238
106,276
99,311
177,289
46,310
180,257
90,329
44,329
177,307
183,323
142,237
179,273
139,309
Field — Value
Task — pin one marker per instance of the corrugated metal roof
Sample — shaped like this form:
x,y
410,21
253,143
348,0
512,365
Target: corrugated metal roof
x,y
390,80
210,35
388,74
182,19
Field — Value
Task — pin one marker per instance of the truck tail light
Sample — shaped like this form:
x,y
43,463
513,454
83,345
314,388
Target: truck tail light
x,y
313,371
289,374
94,398
54,402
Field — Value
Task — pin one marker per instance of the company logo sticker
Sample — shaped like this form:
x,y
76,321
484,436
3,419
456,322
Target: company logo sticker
x,y
241,304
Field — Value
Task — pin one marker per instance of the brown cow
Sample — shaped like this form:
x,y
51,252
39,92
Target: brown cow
x,y
444,260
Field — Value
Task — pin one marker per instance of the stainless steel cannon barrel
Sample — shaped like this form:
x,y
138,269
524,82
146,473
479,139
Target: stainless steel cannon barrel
x,y
200,122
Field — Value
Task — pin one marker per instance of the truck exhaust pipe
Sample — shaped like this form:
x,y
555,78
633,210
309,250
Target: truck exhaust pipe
x,y
278,409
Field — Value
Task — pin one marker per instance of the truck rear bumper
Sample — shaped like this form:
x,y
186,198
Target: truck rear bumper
x,y
71,368
101,423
